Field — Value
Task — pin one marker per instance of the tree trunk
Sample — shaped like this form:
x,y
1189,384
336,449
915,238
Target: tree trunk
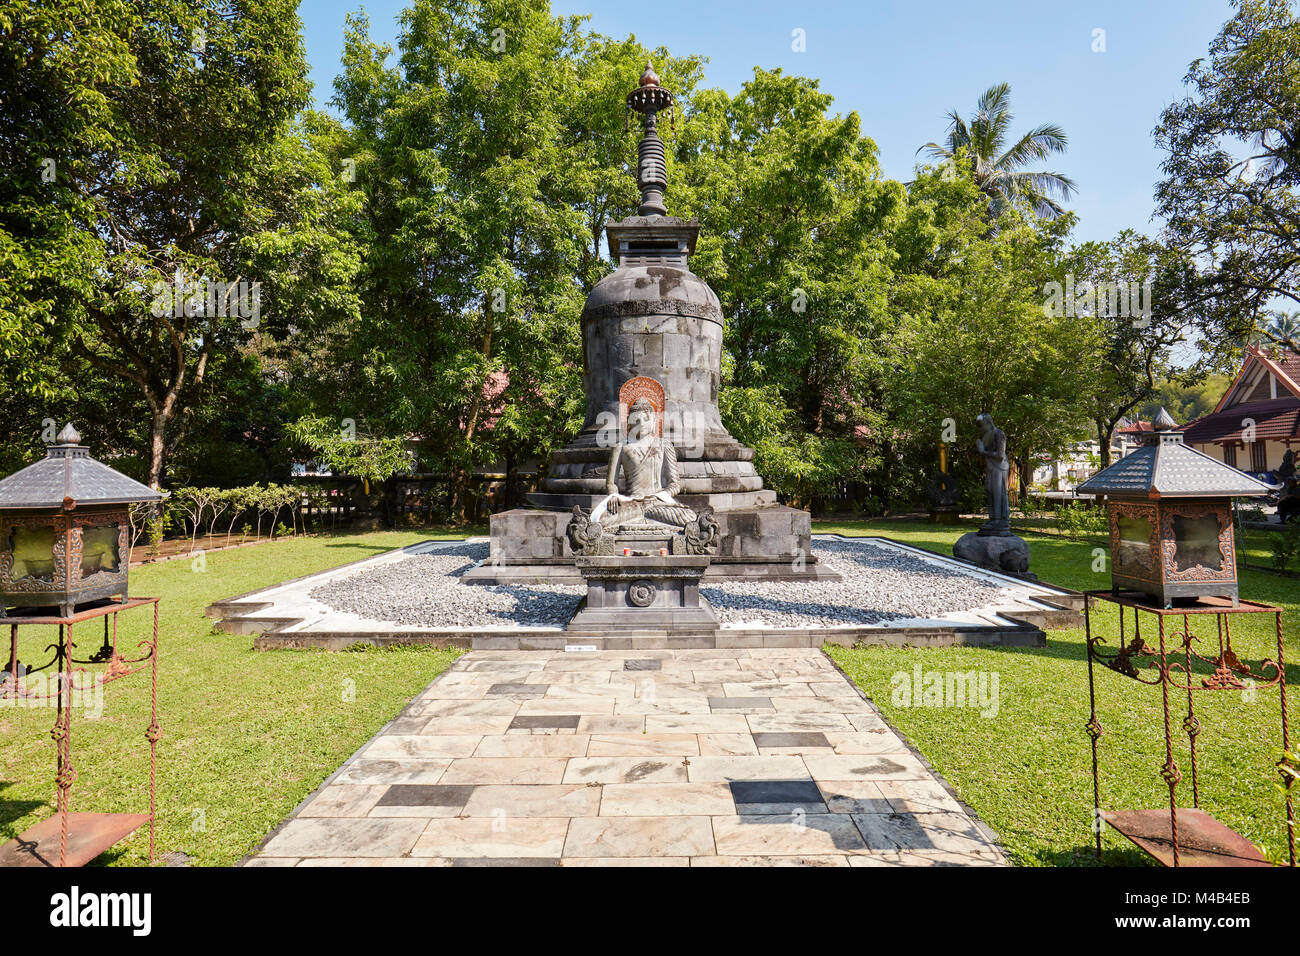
x,y
459,481
157,449
1105,430
510,492
161,412
161,383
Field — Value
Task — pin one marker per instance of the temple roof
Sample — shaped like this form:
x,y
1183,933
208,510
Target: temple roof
x,y
1277,419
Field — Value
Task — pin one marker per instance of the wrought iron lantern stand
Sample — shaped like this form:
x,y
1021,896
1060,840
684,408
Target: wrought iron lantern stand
x,y
1185,836
81,836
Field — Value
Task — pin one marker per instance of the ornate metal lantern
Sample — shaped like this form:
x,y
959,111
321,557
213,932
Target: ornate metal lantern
x,y
1170,522
64,528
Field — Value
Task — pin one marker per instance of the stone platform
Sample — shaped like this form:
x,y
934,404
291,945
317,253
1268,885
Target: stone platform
x,y
919,599
666,758
771,542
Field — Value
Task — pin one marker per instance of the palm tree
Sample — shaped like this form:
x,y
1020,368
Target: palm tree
x,y
1282,328
998,173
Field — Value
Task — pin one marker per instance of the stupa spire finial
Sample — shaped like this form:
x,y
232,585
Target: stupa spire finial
x,y
649,99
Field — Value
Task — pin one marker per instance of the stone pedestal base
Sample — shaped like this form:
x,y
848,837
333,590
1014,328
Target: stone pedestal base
x,y
650,594
772,542
1006,553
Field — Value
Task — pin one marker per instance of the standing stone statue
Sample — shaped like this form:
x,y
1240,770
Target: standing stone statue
x,y
1286,471
1288,502
994,546
992,446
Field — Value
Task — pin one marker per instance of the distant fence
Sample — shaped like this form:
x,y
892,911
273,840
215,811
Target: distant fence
x,y
410,499
842,498
321,503
427,499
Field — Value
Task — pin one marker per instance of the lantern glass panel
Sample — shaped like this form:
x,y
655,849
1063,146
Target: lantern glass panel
x,y
99,550
1196,541
1134,541
33,551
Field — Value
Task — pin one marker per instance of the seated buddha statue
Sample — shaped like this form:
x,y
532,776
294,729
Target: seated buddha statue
x,y
650,466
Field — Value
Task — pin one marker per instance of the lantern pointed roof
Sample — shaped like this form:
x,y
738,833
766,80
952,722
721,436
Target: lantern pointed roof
x,y
67,477
1164,467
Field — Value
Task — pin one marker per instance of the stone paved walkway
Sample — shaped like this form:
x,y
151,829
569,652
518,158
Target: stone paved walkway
x,y
765,756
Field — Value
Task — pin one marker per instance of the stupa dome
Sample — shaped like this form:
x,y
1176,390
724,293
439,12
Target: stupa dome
x,y
621,292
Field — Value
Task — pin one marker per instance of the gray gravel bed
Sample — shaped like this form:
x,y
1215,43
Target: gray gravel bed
x,y
879,584
424,590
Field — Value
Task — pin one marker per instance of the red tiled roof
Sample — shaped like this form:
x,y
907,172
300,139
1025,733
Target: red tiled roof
x,y
1284,363
1277,419
1136,428
1288,362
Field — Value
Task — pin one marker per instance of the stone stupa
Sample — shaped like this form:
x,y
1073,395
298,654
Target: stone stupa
x,y
652,330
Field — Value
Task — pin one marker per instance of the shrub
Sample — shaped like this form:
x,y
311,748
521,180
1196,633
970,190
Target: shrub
x,y
154,530
1284,545
1078,519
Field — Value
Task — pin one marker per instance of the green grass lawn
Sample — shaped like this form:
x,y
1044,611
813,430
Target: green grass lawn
x,y
245,735
1027,770
1255,548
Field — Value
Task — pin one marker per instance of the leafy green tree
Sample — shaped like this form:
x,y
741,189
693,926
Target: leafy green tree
x,y
795,217
1128,289
801,464
489,155
180,167
345,453
1187,402
1230,193
981,146
973,334
1283,327
62,62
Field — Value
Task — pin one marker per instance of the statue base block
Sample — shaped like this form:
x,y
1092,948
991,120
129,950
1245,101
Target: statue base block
x,y
643,594
1006,553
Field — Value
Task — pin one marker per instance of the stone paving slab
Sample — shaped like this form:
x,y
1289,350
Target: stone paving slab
x,y
701,757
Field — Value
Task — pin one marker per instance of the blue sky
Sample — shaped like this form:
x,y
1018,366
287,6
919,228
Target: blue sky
x,y
903,65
